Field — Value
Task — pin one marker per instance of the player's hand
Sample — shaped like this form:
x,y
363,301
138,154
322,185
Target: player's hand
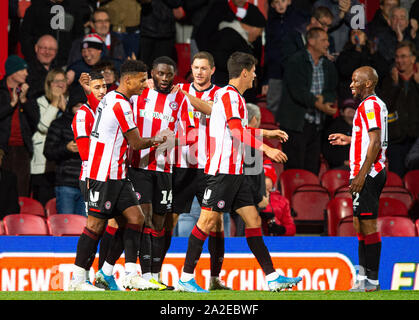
x,y
150,83
275,154
165,140
278,134
84,81
339,139
357,184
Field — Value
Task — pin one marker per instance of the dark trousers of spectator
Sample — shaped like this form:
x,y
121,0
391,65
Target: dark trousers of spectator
x,y
42,186
396,155
18,161
303,148
151,49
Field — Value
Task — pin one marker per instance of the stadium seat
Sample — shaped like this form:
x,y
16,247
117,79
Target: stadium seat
x,y
396,227
346,228
336,210
343,192
333,179
393,179
51,207
400,193
183,51
31,206
267,117
1,228
66,224
411,182
25,224
309,203
391,207
291,179
417,226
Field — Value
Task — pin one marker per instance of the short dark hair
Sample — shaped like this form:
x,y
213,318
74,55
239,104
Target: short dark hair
x,y
314,33
164,60
204,55
320,12
409,44
132,66
239,61
95,75
98,10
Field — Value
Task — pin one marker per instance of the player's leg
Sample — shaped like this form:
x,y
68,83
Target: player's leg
x,y
359,284
85,255
105,241
253,233
145,249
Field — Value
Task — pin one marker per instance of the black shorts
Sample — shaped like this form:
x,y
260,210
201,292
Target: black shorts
x,y
83,189
153,187
108,199
226,193
365,203
187,184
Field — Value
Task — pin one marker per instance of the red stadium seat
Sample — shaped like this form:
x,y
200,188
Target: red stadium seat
x,y
1,228
411,182
51,207
343,192
400,193
267,117
346,228
396,227
309,202
337,209
183,51
31,206
392,207
333,179
66,224
25,224
417,226
291,179
393,179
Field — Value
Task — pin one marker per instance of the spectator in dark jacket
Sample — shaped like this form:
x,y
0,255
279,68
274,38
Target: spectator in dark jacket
x,y
9,199
61,148
19,117
381,20
412,158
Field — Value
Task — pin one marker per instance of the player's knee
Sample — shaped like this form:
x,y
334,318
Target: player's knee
x,y
95,224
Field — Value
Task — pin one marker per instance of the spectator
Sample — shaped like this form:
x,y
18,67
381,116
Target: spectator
x,y
110,74
276,217
381,20
62,149
296,39
236,36
400,92
309,95
51,105
282,18
399,23
100,23
92,51
125,18
158,30
341,24
18,119
45,59
228,10
412,158
337,157
357,52
9,199
65,25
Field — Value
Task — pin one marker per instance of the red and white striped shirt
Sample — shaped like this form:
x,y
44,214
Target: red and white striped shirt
x,y
195,155
225,153
82,127
108,146
371,114
154,112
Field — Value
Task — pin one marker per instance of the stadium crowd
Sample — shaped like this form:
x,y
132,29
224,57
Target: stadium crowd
x,y
306,53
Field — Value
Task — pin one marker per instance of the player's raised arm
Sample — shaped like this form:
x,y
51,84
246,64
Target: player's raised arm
x,y
199,104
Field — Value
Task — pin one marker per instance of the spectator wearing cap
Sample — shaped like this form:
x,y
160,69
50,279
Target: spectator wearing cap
x,y
92,50
276,216
101,24
19,117
235,35
337,157
61,148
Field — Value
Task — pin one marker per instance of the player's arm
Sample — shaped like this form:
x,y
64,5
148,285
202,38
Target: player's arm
x,y
137,142
374,148
199,104
83,146
272,134
247,138
339,139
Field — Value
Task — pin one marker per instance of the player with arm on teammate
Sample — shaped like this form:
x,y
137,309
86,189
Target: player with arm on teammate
x,y
225,190
110,193
157,109
368,175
